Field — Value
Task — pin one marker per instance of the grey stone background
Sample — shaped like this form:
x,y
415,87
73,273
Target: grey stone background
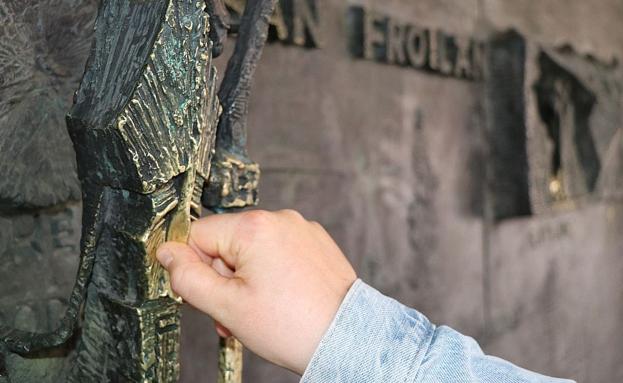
x,y
395,162
391,160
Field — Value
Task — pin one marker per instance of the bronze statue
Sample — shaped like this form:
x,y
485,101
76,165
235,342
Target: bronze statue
x,y
153,140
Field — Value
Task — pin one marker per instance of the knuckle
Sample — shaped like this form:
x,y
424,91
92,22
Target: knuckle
x,y
291,213
256,219
318,227
316,224
253,223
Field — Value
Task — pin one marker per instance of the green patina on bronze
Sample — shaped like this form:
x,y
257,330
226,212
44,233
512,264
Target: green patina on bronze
x,y
144,125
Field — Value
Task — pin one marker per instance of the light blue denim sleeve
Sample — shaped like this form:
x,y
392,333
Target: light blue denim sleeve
x,y
374,338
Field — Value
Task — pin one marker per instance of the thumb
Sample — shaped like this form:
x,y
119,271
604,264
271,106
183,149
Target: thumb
x,y
197,282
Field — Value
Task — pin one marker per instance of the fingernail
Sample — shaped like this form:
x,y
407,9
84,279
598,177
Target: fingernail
x,y
165,257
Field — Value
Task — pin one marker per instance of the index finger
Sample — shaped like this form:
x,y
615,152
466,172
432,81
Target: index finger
x,y
215,235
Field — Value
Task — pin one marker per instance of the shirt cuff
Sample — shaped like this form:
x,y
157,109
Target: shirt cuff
x,y
372,338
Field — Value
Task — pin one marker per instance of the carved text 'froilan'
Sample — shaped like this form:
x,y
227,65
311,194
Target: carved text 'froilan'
x,y
378,37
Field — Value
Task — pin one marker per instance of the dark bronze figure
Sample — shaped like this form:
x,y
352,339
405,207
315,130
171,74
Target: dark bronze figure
x,y
144,126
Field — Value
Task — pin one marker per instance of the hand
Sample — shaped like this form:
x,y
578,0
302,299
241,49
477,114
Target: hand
x,y
274,280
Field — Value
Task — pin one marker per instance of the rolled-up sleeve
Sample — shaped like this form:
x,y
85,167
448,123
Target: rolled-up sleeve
x,y
374,338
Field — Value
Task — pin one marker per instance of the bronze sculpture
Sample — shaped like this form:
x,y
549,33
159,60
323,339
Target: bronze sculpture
x,y
144,125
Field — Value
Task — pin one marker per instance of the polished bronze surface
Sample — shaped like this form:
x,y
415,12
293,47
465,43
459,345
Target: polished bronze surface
x,y
144,125
230,361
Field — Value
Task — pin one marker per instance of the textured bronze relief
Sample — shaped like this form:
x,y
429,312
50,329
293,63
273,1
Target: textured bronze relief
x,y
144,125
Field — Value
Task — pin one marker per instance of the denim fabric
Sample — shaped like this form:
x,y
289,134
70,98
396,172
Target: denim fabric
x,y
374,338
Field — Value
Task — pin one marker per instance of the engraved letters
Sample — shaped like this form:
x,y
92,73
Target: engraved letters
x,y
378,37
295,22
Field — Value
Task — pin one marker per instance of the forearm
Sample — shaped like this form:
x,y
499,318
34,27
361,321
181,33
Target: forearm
x,y
374,338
